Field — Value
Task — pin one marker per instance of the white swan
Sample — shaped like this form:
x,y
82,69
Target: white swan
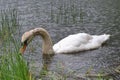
x,y
72,43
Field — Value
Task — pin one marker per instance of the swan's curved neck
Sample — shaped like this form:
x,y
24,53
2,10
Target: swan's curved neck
x,y
47,47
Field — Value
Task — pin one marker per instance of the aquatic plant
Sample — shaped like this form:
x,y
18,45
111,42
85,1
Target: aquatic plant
x,y
12,64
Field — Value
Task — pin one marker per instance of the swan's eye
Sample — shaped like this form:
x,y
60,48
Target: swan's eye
x,y
24,43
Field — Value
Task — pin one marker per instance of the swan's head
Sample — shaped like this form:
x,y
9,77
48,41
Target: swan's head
x,y
26,39
29,35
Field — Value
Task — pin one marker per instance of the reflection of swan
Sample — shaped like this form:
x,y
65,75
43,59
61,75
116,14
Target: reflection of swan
x,y
72,43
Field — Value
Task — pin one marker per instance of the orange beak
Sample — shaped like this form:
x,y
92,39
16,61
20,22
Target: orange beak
x,y
22,50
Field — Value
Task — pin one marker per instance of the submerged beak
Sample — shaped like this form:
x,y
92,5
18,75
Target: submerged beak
x,y
23,48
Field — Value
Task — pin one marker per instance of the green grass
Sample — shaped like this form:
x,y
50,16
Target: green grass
x,y
13,67
12,64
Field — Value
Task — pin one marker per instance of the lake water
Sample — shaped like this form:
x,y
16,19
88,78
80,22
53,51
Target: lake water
x,y
64,17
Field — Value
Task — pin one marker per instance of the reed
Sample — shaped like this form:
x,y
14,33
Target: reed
x,y
13,66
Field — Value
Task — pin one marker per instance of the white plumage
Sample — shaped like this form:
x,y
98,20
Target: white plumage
x,y
79,42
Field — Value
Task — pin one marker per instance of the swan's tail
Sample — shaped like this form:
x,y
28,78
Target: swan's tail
x,y
105,37
101,38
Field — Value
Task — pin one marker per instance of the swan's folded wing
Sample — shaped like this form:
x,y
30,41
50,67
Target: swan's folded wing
x,y
71,43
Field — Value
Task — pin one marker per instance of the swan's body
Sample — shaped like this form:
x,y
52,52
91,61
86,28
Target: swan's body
x,y
72,43
79,42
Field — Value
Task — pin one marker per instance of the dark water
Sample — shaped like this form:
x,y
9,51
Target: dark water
x,y
98,17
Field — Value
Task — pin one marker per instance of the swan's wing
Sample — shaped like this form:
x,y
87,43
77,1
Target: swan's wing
x,y
96,41
72,42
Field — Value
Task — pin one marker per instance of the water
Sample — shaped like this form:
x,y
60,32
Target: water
x,y
93,17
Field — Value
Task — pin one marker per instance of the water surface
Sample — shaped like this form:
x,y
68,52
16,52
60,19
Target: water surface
x,y
93,17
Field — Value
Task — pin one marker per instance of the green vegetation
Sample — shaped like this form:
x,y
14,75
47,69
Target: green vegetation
x,y
12,64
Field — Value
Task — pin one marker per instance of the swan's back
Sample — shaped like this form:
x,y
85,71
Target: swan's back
x,y
79,42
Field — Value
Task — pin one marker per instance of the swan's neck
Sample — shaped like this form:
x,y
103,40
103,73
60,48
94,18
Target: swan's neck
x,y
47,42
